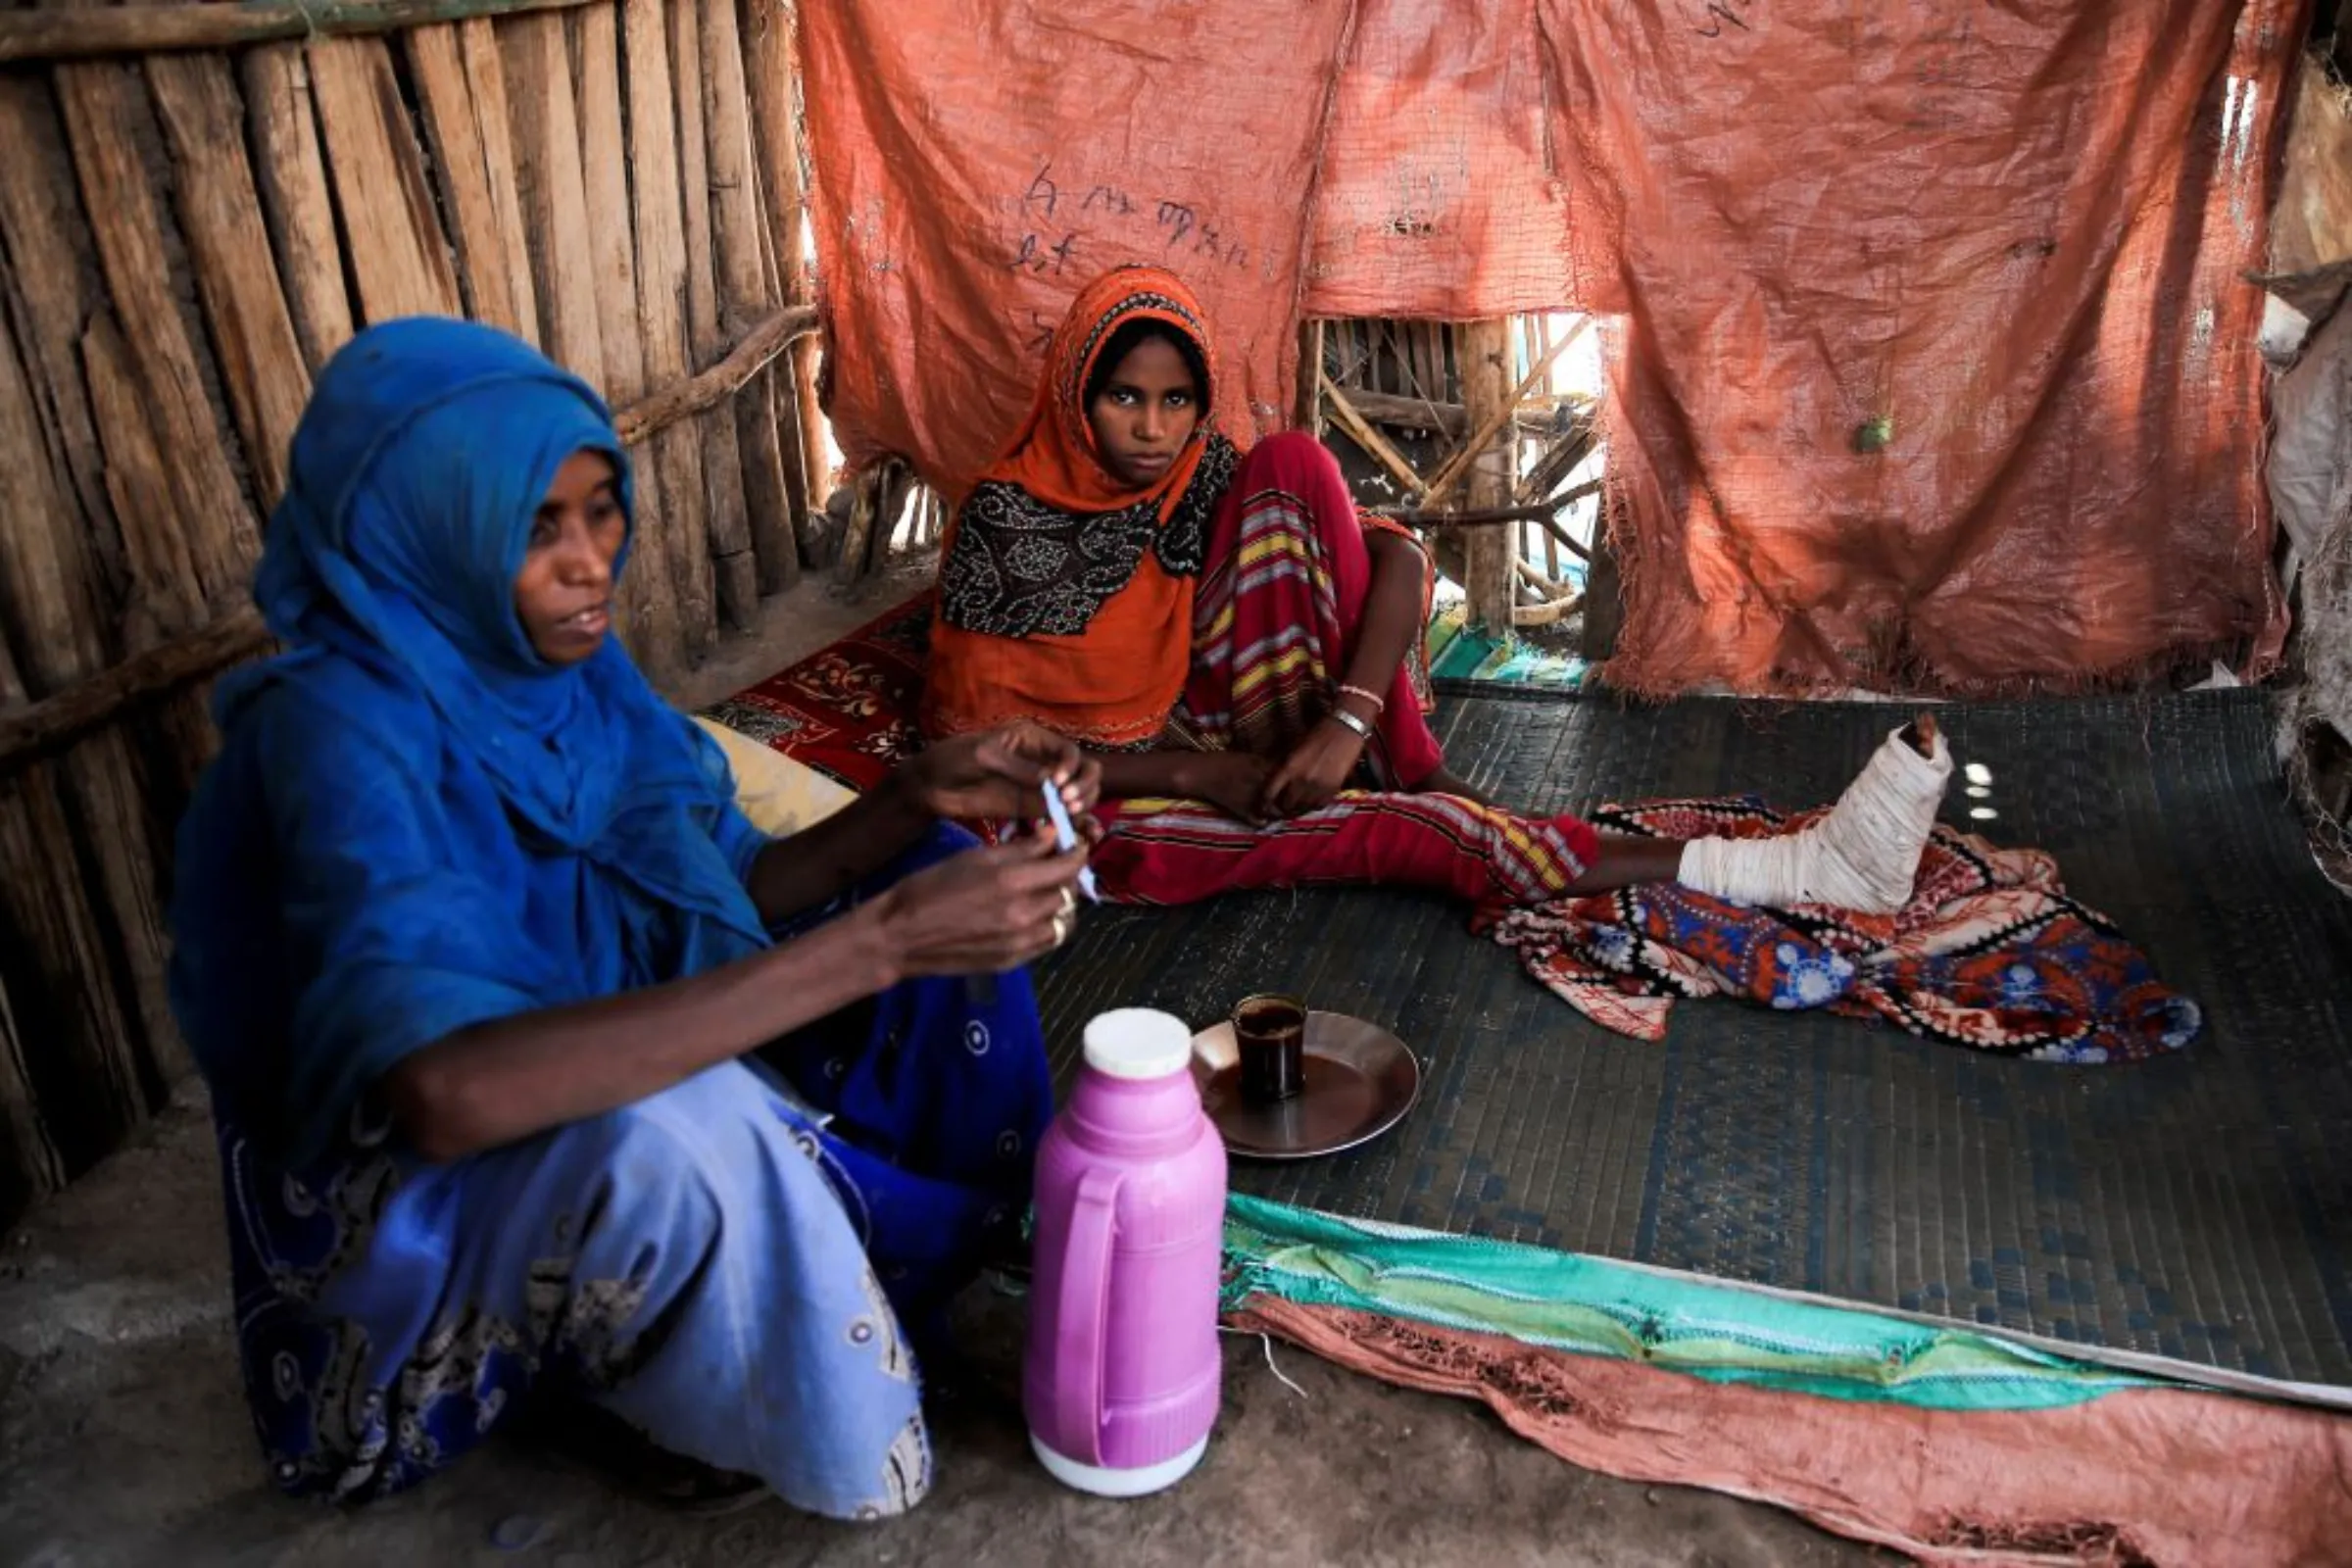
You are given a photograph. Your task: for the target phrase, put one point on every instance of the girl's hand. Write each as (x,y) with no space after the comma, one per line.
(1233,782)
(1316,770)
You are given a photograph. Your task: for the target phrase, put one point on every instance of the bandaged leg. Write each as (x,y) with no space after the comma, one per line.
(1862,856)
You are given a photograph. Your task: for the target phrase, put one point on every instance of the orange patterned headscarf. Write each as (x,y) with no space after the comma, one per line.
(1065,596)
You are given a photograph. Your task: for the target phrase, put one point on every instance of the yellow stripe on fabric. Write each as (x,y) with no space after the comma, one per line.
(1284,664)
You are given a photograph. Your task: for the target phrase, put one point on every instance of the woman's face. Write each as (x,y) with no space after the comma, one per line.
(1145,413)
(564,593)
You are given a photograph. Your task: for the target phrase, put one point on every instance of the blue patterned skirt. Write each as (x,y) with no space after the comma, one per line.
(730,1265)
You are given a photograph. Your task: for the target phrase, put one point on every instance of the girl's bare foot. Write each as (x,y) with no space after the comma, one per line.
(1921,733)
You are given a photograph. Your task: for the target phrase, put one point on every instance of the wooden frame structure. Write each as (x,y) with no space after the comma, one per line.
(1495,448)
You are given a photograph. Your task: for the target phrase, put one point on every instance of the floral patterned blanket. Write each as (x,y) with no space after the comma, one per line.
(1992,953)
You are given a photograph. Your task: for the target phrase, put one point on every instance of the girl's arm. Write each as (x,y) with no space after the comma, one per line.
(1318,767)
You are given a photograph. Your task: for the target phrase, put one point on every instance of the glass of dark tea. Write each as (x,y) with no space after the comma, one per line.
(1269,1033)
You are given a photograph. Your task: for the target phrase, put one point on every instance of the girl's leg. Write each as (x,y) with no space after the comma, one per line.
(1181,852)
(1862,855)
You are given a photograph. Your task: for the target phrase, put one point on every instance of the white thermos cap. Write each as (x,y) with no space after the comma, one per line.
(1137,1043)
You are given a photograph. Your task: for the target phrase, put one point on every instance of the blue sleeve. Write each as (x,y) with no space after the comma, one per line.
(738,840)
(390,939)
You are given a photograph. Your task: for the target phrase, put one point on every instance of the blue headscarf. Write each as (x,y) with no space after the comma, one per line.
(415,822)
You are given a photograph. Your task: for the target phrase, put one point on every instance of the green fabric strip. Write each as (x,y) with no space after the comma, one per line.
(1458,652)
(1592,1306)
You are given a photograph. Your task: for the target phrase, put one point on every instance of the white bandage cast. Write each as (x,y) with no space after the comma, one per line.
(1862,856)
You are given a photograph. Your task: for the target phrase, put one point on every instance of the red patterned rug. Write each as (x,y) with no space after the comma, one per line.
(846,709)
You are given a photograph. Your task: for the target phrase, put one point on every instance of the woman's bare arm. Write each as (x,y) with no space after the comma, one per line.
(822,861)
(983,910)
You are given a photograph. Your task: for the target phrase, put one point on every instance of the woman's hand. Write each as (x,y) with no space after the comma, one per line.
(983,910)
(1233,782)
(1316,770)
(996,774)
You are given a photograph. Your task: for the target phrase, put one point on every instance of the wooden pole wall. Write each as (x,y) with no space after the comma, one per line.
(200,205)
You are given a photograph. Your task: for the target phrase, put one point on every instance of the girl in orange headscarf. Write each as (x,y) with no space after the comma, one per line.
(1101,578)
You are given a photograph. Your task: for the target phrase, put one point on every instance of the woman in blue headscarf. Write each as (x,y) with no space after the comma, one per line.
(475,950)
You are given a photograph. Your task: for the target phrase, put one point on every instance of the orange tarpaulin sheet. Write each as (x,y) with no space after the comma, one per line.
(1437,198)
(1929,361)
(1934,362)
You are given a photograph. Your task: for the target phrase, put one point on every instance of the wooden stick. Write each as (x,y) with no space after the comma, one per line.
(53,34)
(611,255)
(1487,394)
(106,107)
(462,87)
(1375,445)
(1429,351)
(1469,517)
(758,349)
(121,801)
(55,720)
(1449,418)
(92,1052)
(54,533)
(537,64)
(1452,469)
(262,366)
(163,598)
(291,171)
(47,586)
(774,90)
(1548,614)
(1557,462)
(743,295)
(735,570)
(1542,513)
(391,224)
(1525,571)
(1562,539)
(39,1164)
(648,597)
(677,450)
(1409,414)
(56,936)
(1307,415)
(856,540)
(779,387)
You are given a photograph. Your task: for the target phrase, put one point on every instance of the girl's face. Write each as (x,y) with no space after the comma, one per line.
(1145,413)
(564,593)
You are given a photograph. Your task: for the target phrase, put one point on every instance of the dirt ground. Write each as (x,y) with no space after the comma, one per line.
(124,1441)
(124,1438)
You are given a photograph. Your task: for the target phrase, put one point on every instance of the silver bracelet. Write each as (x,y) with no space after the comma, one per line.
(1352,723)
